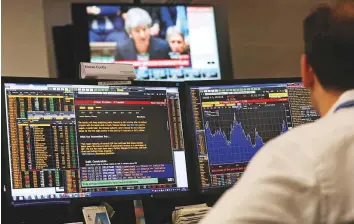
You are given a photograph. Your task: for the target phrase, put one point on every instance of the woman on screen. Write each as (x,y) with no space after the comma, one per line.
(141,44)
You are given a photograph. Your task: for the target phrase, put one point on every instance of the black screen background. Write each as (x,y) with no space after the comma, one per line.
(156,135)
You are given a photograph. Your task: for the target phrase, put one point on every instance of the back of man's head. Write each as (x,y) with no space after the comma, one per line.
(329,45)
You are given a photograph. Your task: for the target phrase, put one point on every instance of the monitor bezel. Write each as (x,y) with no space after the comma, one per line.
(82,44)
(6,181)
(191,127)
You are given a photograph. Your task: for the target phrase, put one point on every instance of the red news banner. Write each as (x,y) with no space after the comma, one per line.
(183,61)
(220,169)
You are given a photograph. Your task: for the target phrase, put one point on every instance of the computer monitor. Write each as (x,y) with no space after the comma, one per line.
(69,141)
(232,121)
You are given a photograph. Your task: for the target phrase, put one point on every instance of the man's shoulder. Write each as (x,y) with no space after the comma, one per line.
(331,126)
(307,146)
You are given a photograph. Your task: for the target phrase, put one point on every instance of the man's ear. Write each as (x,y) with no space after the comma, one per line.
(307,74)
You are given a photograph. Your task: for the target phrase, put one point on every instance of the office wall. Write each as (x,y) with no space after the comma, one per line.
(23,45)
(265,36)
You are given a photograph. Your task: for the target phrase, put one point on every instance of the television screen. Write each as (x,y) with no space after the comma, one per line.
(164,42)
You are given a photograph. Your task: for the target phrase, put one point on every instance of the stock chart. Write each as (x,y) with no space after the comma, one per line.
(232,123)
(235,135)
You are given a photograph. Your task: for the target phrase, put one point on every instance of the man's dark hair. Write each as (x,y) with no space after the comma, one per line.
(329,44)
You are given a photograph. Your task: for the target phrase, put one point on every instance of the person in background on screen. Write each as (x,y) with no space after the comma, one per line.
(154,12)
(99,26)
(156,20)
(108,25)
(174,16)
(176,40)
(307,174)
(141,44)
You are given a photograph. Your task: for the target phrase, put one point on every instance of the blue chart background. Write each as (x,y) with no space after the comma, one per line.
(235,135)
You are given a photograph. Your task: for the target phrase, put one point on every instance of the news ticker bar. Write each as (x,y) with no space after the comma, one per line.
(158,63)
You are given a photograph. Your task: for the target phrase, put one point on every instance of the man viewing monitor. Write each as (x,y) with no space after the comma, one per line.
(231,122)
(74,141)
(163,42)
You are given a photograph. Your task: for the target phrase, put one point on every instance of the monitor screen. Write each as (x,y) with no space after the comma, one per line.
(232,122)
(166,42)
(74,141)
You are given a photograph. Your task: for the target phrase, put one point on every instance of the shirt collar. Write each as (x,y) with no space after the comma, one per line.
(346,96)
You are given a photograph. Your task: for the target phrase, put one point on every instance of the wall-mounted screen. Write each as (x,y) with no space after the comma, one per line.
(163,42)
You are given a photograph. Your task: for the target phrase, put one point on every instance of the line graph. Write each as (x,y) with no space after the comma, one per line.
(234,135)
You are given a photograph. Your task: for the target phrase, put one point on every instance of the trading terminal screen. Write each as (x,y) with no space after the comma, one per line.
(71,141)
(232,122)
